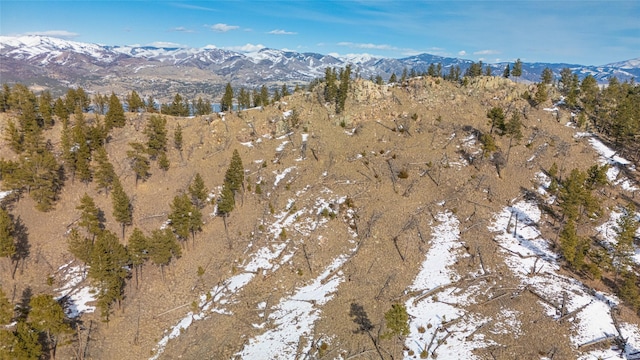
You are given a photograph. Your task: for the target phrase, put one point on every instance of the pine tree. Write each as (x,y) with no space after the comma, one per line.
(285,90)
(7,235)
(134,102)
(60,110)
(14,137)
(6,311)
(393,78)
(100,101)
(397,321)
(90,217)
(151,105)
(234,176)
(122,210)
(108,271)
(627,226)
(547,76)
(24,343)
(47,316)
(138,249)
(163,247)
(185,218)
(225,203)
(156,132)
(343,89)
(41,175)
(81,150)
(331,89)
(541,94)
(105,174)
(226,104)
(115,115)
(572,246)
(264,96)
(45,107)
(139,162)
(496,119)
(163,161)
(507,72)
(79,246)
(198,191)
(517,69)
(177,138)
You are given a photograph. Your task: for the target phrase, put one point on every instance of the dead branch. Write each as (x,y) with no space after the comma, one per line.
(547,301)
(572,313)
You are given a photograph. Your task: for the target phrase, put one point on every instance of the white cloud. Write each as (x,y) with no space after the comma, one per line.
(181,29)
(223,27)
(246,48)
(462,53)
(367,46)
(486,52)
(54,33)
(167,44)
(281,32)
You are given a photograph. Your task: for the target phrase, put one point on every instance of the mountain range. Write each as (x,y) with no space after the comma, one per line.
(47,62)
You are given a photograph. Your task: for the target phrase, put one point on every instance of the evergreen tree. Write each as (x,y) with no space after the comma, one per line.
(487,71)
(139,162)
(331,89)
(517,69)
(627,226)
(100,101)
(151,105)
(122,210)
(42,178)
(257,99)
(431,71)
(80,149)
(134,102)
(79,246)
(60,110)
(7,236)
(198,191)
(541,94)
(226,203)
(5,94)
(496,119)
(138,249)
(546,76)
(163,247)
(163,161)
(90,216)
(115,115)
(105,174)
(343,89)
(14,137)
(156,132)
(507,72)
(566,79)
(47,316)
(393,78)
(45,107)
(572,246)
(6,311)
(589,94)
(397,320)
(226,104)
(264,95)
(177,138)
(628,290)
(23,343)
(108,271)
(285,90)
(185,218)
(234,176)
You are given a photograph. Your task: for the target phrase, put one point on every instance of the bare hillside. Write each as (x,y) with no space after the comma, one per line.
(392,202)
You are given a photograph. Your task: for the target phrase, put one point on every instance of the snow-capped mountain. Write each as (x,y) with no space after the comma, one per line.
(51,62)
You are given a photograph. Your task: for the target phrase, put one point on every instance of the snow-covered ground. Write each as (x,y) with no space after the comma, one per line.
(439,324)
(268,259)
(76,293)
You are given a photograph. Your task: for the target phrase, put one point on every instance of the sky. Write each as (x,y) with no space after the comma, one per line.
(568,31)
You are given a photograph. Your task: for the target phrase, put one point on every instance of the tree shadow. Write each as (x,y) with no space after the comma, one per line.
(23,248)
(361,319)
(22,307)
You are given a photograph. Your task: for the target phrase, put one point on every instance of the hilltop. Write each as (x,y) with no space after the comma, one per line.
(397,200)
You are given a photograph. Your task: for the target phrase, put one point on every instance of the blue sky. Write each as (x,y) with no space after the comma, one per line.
(569,31)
